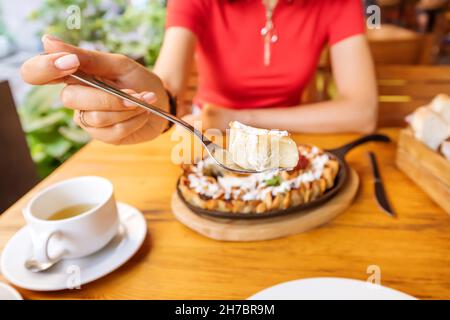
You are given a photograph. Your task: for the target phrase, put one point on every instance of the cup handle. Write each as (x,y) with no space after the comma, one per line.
(41,247)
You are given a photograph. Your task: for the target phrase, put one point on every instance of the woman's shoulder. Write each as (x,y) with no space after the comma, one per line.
(191,14)
(191,7)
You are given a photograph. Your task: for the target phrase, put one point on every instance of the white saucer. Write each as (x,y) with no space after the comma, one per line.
(73,272)
(8,293)
(329,289)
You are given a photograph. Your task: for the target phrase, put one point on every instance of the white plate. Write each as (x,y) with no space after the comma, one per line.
(329,289)
(8,292)
(74,272)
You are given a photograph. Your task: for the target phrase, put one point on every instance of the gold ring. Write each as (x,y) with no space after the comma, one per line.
(81,117)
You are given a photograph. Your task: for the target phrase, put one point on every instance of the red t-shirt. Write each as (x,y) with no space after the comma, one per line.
(230,50)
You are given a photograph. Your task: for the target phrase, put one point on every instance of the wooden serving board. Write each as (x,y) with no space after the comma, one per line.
(427,168)
(270,228)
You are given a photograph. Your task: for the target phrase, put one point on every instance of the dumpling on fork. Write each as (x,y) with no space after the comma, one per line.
(261,149)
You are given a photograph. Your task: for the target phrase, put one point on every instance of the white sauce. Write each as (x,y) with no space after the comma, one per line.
(253,187)
(202,186)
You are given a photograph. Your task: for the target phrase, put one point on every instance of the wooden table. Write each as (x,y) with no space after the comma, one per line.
(412,251)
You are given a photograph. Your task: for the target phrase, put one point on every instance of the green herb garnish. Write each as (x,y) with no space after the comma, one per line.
(274,181)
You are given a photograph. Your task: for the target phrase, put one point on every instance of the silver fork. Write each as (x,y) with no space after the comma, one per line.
(221,156)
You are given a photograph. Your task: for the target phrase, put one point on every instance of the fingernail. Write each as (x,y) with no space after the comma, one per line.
(67,62)
(50,37)
(130,104)
(149,97)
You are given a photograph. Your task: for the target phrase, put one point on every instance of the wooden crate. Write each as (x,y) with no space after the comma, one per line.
(427,168)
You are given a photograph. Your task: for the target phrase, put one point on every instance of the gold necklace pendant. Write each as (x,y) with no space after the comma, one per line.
(269,35)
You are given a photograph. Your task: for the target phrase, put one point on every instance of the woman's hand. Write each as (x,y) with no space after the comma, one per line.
(105,117)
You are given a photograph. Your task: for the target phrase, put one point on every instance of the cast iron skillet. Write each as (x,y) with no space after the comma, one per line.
(341,179)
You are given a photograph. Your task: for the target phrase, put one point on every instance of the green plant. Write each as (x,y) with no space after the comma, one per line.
(138,32)
(108,25)
(51,134)
(54,15)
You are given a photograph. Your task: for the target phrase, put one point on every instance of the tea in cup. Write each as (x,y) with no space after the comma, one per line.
(72,219)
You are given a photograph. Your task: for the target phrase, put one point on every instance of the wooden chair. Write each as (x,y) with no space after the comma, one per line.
(396,45)
(402,89)
(316,90)
(16,166)
(390,45)
(391,10)
(191,88)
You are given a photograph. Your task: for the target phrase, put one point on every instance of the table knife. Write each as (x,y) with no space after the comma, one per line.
(380,193)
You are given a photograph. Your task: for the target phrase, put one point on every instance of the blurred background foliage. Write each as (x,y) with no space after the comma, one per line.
(134,28)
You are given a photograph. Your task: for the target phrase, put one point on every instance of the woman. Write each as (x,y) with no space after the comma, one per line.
(254,58)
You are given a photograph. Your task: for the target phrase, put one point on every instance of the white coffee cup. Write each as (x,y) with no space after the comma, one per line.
(77,236)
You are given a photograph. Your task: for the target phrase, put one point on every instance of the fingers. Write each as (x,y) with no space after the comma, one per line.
(101,64)
(81,97)
(143,134)
(101,119)
(44,69)
(151,129)
(63,59)
(116,133)
(105,117)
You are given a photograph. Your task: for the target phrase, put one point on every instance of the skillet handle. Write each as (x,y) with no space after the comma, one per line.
(342,151)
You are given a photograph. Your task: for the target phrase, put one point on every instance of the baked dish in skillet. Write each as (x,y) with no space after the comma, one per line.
(206,186)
